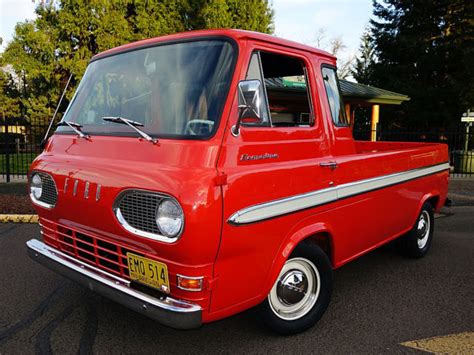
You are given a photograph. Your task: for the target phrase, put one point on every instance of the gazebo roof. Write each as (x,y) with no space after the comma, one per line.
(366,93)
(350,91)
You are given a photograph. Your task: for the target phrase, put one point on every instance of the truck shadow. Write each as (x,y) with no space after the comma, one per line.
(374,279)
(369,299)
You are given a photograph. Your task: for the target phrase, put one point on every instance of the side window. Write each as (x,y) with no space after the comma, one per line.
(286,88)
(334,98)
(254,72)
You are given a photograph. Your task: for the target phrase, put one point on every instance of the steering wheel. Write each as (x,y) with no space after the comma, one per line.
(193,127)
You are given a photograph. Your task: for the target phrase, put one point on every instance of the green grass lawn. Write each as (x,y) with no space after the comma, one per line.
(19,163)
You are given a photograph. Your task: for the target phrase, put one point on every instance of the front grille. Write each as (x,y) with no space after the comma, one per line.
(138,209)
(92,249)
(49,195)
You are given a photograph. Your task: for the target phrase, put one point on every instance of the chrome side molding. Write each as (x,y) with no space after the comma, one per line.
(300,202)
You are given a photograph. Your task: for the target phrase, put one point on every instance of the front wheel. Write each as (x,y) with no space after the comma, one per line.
(417,241)
(301,293)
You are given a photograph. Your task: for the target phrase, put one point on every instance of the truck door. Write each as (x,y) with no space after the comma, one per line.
(267,162)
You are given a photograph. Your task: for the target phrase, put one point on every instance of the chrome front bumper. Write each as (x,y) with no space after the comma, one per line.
(168,311)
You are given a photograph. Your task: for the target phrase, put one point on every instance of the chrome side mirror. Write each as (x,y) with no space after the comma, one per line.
(250,104)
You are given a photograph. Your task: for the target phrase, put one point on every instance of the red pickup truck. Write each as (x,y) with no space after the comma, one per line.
(196,175)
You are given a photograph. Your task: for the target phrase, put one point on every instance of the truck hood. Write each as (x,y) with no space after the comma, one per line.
(89,176)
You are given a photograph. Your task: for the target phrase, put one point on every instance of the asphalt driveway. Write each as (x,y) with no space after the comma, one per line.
(380,301)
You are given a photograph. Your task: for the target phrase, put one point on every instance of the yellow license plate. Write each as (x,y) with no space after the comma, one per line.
(148,272)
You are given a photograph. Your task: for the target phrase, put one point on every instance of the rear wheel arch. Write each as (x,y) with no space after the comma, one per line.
(416,242)
(434,201)
(433,198)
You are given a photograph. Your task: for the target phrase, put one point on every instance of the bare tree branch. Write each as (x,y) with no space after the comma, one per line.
(320,37)
(336,46)
(344,67)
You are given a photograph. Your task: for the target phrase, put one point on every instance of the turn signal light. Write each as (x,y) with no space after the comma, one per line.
(190,283)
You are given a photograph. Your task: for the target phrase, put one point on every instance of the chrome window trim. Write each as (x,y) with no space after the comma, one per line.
(316,198)
(144,234)
(33,199)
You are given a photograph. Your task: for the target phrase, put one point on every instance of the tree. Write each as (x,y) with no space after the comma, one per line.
(343,64)
(67,33)
(457,42)
(335,46)
(9,100)
(362,69)
(424,49)
(254,15)
(28,58)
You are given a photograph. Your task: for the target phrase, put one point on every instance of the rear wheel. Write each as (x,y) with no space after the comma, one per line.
(417,241)
(301,293)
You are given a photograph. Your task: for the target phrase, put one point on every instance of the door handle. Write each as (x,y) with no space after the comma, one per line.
(329,164)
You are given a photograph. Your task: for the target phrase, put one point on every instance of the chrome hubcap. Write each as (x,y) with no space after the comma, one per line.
(296,290)
(292,287)
(423,229)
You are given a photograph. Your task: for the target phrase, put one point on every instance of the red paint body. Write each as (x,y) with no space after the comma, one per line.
(207,177)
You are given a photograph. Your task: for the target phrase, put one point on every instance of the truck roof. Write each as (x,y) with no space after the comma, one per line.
(231,33)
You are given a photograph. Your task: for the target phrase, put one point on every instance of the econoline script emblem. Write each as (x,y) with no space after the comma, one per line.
(248,157)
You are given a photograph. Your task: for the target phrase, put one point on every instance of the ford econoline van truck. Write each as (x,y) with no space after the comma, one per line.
(197,175)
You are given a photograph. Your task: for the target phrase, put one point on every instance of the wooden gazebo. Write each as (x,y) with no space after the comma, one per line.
(355,94)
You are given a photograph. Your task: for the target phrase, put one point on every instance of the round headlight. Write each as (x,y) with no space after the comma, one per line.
(169,218)
(36,186)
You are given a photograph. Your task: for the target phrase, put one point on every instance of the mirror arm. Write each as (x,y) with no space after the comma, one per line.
(235,130)
(247,87)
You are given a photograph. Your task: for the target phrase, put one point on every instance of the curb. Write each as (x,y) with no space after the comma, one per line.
(454,196)
(18,218)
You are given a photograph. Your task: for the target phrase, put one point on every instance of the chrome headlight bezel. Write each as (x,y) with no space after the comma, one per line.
(37,189)
(36,186)
(134,227)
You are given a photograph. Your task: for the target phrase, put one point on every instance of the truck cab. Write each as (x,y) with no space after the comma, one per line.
(196,175)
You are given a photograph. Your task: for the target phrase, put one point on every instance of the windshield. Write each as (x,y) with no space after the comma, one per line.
(174,90)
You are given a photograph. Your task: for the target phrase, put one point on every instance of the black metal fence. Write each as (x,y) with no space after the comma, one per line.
(460,141)
(21,143)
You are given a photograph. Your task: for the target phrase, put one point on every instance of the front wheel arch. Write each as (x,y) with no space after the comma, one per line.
(288,311)
(319,234)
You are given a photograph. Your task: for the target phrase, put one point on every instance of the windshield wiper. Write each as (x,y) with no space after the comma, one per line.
(76,127)
(132,124)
